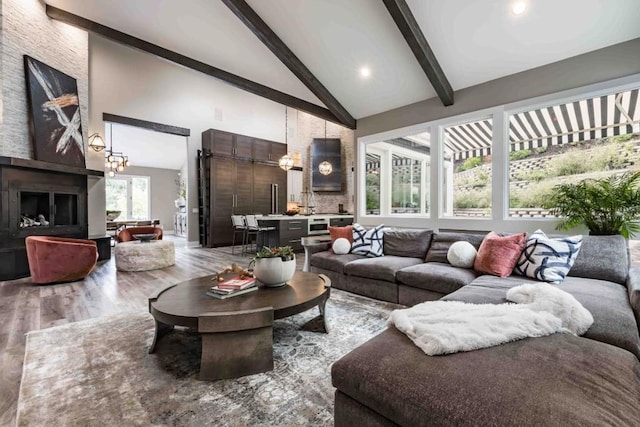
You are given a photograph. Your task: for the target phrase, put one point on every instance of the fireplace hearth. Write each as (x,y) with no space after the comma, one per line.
(38,198)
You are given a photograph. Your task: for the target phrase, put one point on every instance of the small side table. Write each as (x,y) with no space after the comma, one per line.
(103,243)
(312,245)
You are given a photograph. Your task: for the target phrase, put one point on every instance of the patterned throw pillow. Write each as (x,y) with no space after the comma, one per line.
(367,242)
(548,260)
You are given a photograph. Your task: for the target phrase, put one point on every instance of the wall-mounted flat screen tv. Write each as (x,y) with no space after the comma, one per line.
(326,150)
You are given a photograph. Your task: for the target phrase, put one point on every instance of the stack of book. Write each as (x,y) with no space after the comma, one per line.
(232,287)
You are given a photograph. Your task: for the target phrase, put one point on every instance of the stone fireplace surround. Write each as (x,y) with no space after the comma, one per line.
(29,188)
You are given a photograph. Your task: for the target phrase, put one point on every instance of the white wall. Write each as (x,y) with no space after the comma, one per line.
(131,83)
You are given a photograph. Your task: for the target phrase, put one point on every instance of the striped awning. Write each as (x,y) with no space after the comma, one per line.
(587,119)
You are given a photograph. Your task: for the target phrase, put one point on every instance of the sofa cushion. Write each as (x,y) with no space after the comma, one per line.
(409,243)
(345,232)
(546,259)
(367,242)
(556,380)
(383,268)
(613,320)
(436,277)
(498,255)
(440,243)
(602,257)
(333,262)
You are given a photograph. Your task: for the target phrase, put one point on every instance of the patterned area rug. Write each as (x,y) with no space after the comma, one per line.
(98,372)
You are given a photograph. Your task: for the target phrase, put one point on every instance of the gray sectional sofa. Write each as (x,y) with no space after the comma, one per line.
(555,380)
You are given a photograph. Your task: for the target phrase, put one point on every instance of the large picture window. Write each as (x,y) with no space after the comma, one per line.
(130,195)
(566,143)
(466,169)
(397,176)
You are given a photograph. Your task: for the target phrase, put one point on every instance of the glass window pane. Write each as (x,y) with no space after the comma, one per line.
(467,169)
(116,196)
(372,186)
(140,198)
(567,143)
(405,185)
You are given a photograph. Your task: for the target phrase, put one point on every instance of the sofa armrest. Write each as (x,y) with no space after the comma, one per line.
(633,286)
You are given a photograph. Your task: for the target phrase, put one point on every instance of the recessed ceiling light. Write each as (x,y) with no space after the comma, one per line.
(519,8)
(365,72)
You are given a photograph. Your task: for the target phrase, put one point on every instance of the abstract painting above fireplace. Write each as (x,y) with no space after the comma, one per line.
(54,119)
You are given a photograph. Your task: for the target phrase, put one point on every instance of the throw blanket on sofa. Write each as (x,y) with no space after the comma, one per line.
(443,327)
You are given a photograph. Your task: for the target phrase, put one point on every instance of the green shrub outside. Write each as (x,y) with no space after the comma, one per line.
(519,155)
(470,163)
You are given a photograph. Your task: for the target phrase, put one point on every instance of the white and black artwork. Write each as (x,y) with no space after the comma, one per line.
(54,119)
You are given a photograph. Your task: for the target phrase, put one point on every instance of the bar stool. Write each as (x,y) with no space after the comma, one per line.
(253,228)
(238,227)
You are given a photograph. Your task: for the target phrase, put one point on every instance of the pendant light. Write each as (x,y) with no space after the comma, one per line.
(325,167)
(286,162)
(114,161)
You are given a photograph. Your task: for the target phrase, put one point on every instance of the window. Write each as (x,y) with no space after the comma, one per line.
(466,169)
(397,176)
(569,142)
(130,195)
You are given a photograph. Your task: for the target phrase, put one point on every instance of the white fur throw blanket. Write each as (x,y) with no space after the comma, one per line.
(443,327)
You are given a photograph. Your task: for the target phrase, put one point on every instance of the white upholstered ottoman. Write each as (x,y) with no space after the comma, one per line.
(142,256)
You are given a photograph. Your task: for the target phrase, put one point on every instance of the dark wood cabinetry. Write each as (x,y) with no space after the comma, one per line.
(238,183)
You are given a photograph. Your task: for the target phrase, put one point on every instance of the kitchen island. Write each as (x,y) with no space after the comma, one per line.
(289,230)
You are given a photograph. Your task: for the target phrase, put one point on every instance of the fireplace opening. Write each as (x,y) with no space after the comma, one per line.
(65,209)
(34,209)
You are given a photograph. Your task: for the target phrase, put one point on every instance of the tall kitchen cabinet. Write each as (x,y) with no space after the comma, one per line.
(240,184)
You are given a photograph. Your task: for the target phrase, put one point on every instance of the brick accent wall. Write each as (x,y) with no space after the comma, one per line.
(309,127)
(25,29)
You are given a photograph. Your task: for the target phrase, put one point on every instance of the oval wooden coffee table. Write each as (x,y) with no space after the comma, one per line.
(237,333)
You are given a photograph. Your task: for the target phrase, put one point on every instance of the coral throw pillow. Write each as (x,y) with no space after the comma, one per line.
(340,233)
(498,255)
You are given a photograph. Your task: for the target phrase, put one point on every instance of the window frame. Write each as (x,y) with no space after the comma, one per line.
(129,180)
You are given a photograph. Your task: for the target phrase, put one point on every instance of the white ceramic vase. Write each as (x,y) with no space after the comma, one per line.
(274,272)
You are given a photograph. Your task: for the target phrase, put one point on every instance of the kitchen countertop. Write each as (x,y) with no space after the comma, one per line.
(290,217)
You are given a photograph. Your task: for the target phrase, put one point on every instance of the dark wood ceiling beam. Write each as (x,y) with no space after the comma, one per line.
(416,40)
(185,61)
(266,35)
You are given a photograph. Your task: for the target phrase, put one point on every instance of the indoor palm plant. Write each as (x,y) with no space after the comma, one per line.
(275,265)
(605,206)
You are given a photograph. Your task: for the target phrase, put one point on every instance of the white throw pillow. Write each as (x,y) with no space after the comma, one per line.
(461,254)
(367,242)
(341,246)
(548,260)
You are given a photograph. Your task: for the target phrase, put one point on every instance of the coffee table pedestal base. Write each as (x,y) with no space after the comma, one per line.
(236,344)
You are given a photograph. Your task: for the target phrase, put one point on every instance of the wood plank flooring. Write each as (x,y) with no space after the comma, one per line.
(25,306)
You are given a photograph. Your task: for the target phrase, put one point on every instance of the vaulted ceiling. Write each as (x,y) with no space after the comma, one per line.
(474,41)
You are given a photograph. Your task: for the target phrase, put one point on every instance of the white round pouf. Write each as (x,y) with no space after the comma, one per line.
(139,256)
(461,254)
(341,246)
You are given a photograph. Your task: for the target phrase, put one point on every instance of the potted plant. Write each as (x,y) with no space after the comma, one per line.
(274,266)
(606,206)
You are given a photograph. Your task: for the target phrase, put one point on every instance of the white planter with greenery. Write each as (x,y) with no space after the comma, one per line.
(273,267)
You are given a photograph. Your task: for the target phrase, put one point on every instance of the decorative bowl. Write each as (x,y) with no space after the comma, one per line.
(145,238)
(112,215)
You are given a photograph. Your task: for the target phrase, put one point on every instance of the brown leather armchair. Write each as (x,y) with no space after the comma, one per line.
(126,235)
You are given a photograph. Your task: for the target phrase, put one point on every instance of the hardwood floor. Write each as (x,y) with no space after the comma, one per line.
(25,306)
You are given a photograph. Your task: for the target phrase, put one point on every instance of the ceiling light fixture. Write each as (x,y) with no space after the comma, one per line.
(365,72)
(114,161)
(286,162)
(96,142)
(325,167)
(519,8)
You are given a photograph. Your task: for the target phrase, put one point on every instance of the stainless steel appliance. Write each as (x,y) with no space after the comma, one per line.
(275,209)
(318,226)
